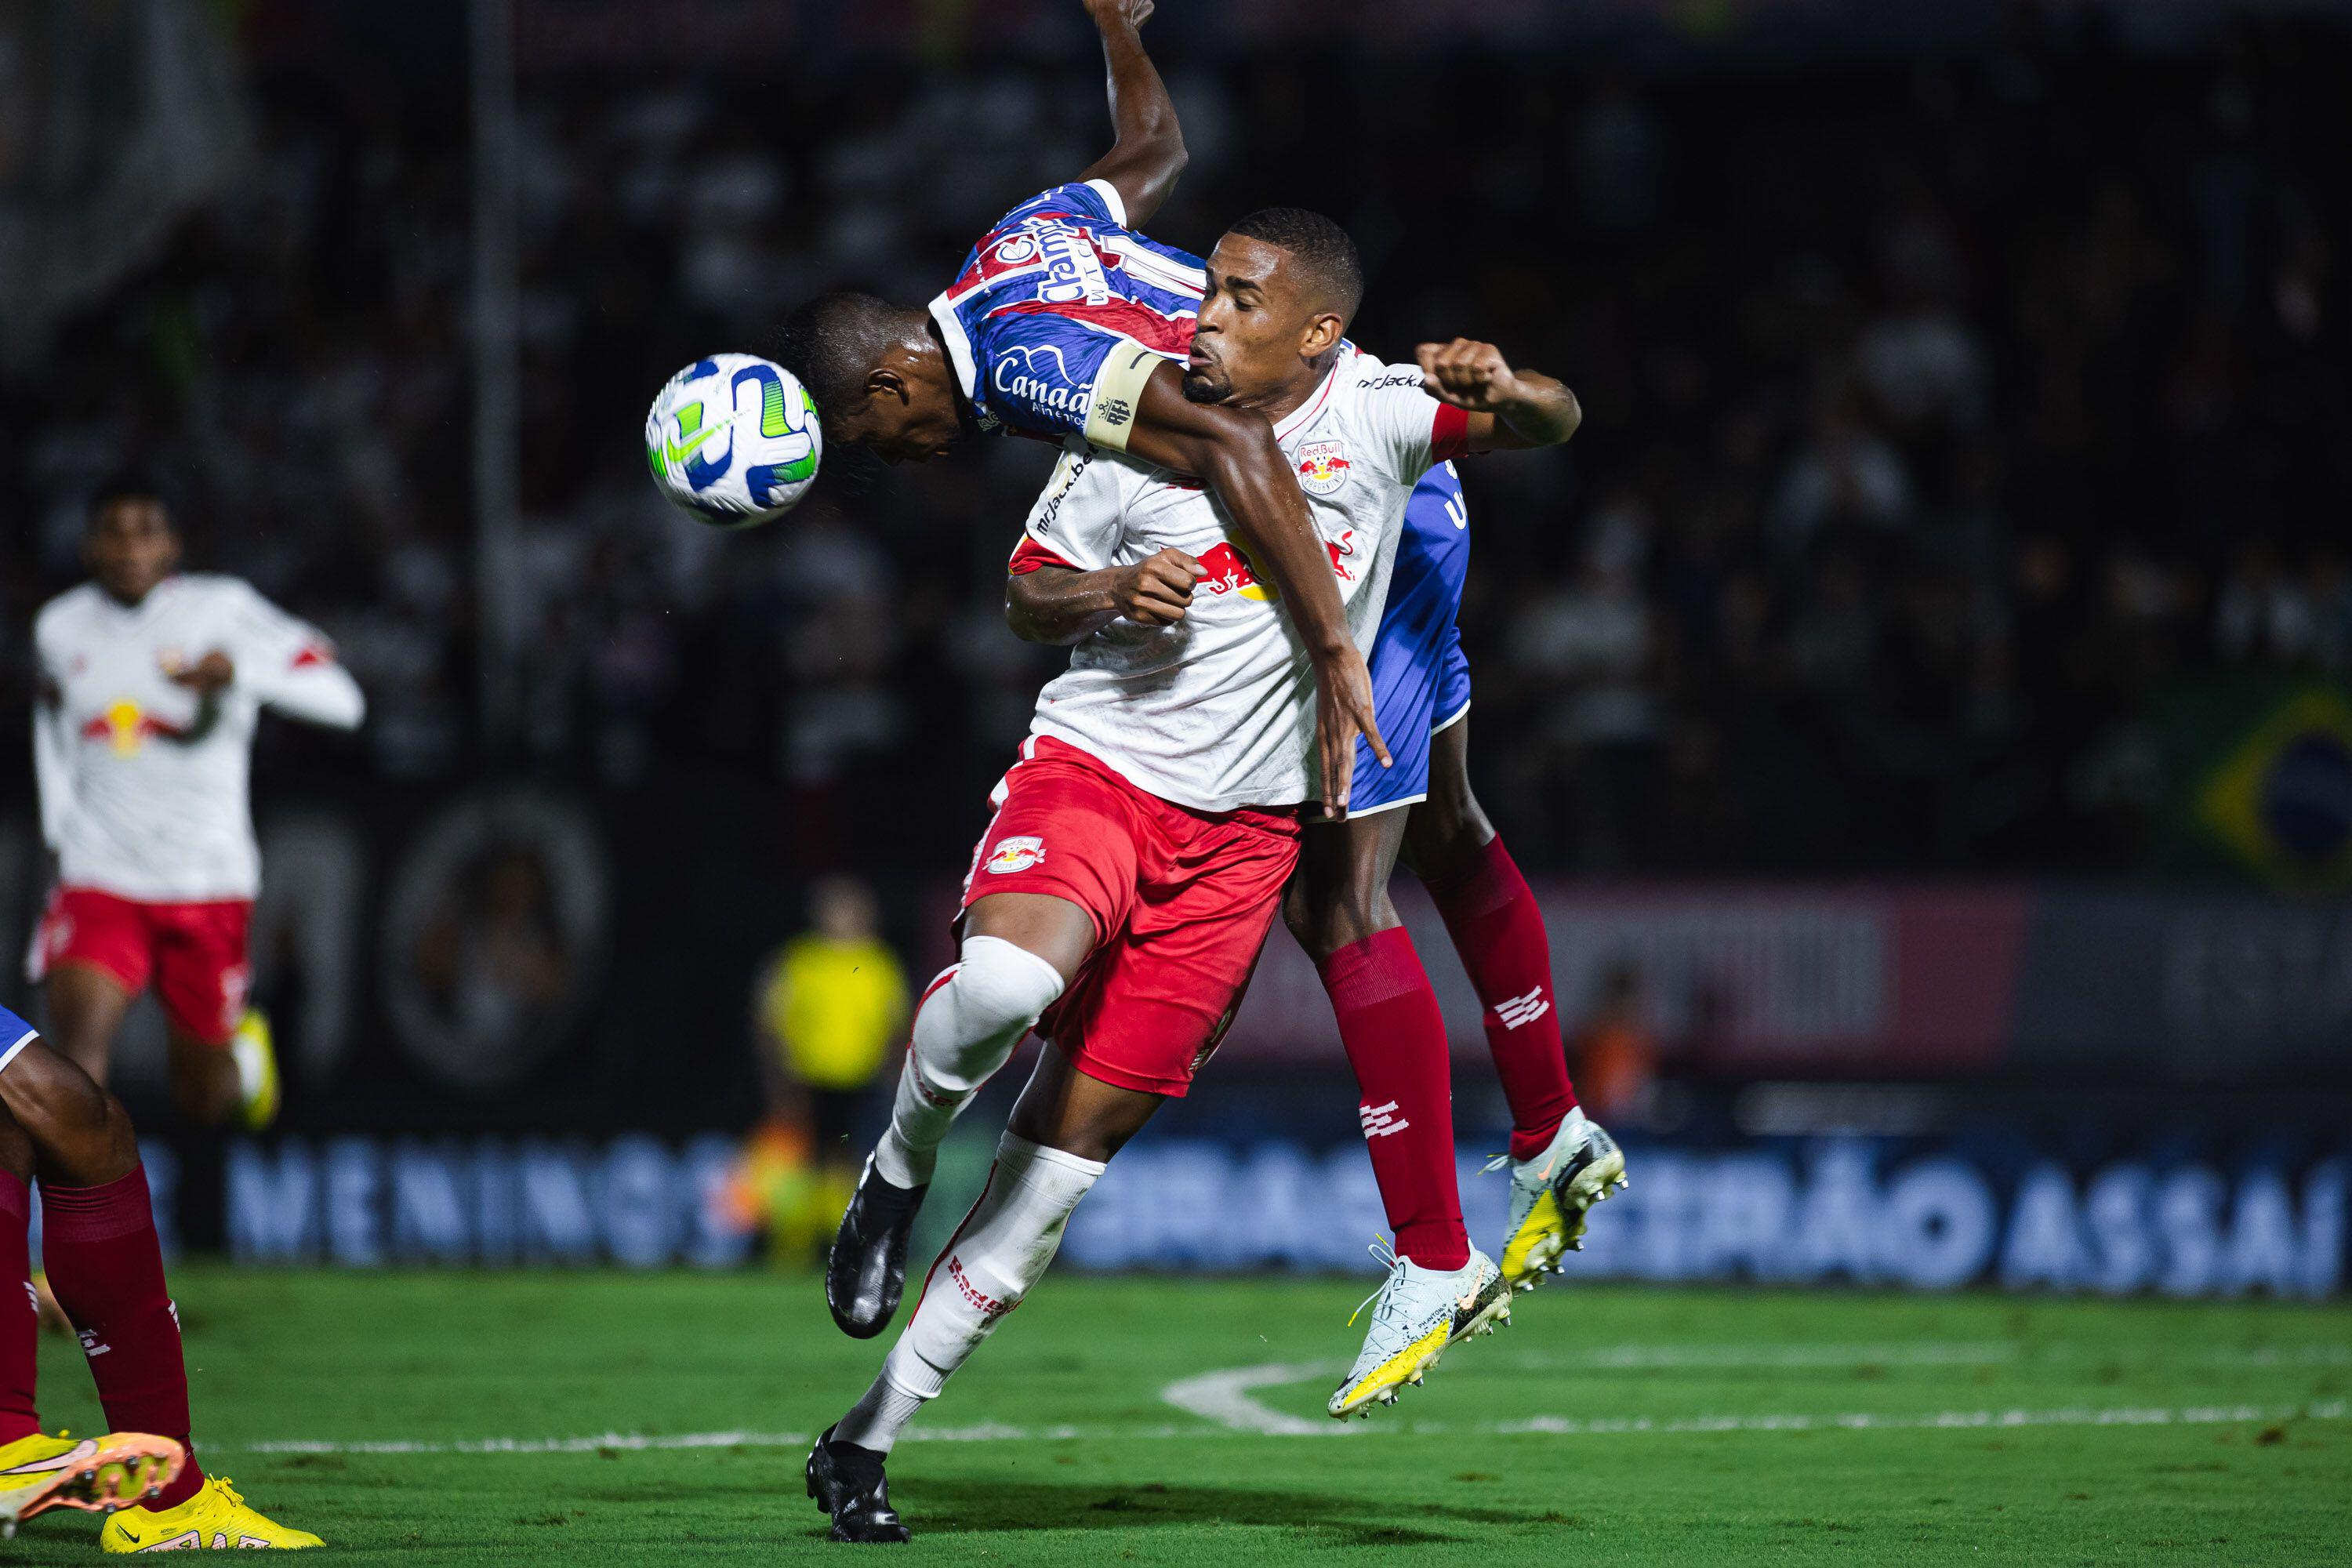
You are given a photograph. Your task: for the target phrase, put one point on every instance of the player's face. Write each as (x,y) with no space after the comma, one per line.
(1259,329)
(131,546)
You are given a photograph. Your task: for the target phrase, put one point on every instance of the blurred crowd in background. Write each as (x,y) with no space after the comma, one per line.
(1944,418)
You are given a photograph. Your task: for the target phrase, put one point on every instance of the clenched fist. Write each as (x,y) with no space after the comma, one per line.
(1469,374)
(1157,591)
(1111,13)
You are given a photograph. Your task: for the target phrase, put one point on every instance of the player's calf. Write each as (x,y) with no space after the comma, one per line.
(968,1024)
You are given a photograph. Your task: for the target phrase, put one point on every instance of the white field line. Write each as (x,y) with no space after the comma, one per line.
(1228,1396)
(1533,1425)
(1225,1400)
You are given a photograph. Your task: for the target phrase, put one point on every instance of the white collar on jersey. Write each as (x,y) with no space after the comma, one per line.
(1314,404)
(162,593)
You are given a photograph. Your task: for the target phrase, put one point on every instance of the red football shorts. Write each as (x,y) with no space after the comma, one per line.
(195,954)
(1181,901)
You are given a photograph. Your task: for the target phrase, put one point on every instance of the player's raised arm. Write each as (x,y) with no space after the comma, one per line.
(1509,409)
(1233,452)
(1143,163)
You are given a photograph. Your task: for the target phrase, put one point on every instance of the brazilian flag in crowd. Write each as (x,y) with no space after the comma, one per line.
(2263,778)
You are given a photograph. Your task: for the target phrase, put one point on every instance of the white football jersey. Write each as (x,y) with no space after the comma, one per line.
(1218,711)
(141,796)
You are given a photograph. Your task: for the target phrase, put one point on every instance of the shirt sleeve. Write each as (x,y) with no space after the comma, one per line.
(1078,520)
(289,665)
(1097,201)
(1410,429)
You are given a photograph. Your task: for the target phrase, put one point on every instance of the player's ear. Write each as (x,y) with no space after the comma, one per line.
(1323,332)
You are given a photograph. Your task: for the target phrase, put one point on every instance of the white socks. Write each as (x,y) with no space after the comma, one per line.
(964,1030)
(996,1255)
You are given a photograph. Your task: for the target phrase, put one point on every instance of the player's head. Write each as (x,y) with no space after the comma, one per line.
(129,542)
(1283,284)
(878,375)
(844,909)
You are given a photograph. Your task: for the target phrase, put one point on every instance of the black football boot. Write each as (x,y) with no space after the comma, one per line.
(848,1483)
(868,1268)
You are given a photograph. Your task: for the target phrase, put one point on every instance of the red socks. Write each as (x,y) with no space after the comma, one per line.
(107,1267)
(1499,929)
(20,1320)
(1395,1037)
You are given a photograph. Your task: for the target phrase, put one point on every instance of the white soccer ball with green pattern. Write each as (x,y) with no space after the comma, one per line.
(733,440)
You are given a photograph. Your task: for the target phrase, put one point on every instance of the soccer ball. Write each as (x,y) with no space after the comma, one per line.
(733,440)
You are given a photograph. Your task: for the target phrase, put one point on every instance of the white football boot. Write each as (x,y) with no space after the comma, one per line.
(1551,1194)
(1416,1313)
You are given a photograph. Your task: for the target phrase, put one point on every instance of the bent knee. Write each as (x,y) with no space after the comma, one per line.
(1324,919)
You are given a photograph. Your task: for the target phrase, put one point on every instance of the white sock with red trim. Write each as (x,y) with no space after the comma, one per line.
(996,1255)
(969,1022)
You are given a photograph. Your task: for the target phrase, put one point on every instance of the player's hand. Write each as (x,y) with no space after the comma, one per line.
(1158,590)
(207,677)
(1112,12)
(1469,374)
(1343,709)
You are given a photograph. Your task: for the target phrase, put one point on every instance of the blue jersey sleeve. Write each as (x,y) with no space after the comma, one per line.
(15,1035)
(1097,201)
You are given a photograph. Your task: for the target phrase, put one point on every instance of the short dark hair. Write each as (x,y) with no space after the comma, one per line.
(1321,246)
(832,341)
(122,485)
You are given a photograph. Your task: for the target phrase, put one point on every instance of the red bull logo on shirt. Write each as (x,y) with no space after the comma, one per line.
(126,727)
(1322,466)
(1227,569)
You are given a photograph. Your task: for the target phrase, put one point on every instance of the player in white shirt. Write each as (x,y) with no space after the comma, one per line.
(151,683)
(1120,899)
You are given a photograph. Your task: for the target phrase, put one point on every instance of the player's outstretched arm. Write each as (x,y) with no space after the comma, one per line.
(1508,409)
(1060,604)
(1144,161)
(1233,452)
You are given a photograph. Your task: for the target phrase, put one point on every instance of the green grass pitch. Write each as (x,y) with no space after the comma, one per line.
(663,1419)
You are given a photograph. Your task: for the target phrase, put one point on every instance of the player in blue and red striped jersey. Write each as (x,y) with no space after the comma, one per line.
(1064,321)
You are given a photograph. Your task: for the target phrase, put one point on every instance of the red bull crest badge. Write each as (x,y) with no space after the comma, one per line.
(1015,854)
(1322,466)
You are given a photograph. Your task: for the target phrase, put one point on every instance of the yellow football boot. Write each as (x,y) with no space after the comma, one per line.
(255,1055)
(215,1520)
(39,1472)
(1550,1195)
(1416,1313)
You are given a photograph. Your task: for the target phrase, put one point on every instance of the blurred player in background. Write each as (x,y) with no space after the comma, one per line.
(106,1263)
(831,1003)
(151,684)
(1338,908)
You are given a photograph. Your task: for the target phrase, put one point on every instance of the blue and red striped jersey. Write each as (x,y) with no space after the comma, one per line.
(1056,284)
